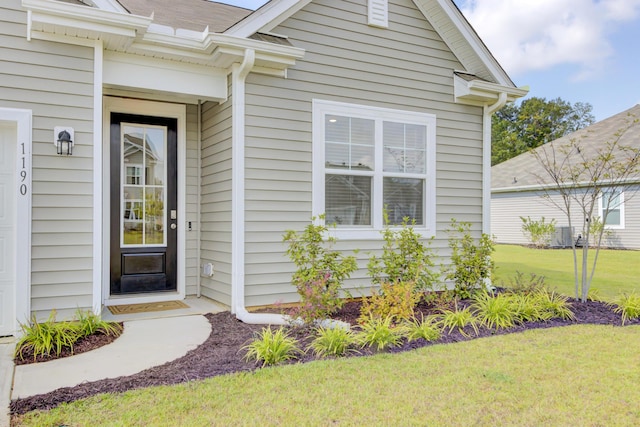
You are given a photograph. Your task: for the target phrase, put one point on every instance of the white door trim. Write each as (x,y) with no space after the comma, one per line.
(146,108)
(23,120)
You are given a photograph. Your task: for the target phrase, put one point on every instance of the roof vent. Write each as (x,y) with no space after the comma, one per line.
(379,13)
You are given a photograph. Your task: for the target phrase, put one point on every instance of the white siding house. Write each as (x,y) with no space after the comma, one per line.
(516,189)
(236,115)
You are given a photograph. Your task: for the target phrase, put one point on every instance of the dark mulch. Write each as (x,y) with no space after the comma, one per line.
(84,344)
(221,353)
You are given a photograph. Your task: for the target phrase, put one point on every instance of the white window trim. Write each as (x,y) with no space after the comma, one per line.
(621,208)
(322,108)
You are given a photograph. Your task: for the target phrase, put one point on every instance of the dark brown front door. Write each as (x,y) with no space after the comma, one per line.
(143,204)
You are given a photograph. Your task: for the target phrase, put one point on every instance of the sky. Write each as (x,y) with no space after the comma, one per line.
(577,50)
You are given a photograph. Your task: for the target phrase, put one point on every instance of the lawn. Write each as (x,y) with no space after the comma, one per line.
(567,376)
(617,271)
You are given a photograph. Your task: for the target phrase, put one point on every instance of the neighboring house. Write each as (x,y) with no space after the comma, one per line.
(201,132)
(516,190)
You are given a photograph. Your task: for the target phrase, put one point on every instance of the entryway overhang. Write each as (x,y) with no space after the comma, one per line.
(153,59)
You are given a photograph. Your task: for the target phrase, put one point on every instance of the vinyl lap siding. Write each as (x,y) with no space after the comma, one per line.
(215,212)
(507,208)
(406,67)
(55,81)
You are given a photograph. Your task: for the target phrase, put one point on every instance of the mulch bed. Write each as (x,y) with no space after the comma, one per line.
(221,353)
(83,345)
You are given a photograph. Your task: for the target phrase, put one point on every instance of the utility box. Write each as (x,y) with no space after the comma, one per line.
(562,238)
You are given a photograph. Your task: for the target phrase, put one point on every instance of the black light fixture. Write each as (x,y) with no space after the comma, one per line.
(64,140)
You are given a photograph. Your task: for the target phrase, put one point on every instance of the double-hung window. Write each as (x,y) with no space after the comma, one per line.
(368,161)
(611,205)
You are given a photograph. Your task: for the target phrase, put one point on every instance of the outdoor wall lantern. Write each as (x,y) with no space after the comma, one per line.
(63,140)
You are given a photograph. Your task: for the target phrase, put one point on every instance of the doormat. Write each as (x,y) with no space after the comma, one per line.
(146,307)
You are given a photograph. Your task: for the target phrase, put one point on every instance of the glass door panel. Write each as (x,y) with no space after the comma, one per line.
(144,177)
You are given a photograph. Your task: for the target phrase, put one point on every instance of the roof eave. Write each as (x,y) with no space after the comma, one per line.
(139,35)
(480,92)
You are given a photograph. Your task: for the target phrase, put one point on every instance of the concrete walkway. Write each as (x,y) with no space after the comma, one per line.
(144,344)
(6,377)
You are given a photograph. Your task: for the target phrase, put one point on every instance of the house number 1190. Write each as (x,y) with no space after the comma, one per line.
(23,173)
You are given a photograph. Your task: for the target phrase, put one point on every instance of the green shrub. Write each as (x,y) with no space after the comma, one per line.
(405,258)
(494,311)
(320,271)
(471,265)
(379,333)
(523,284)
(395,300)
(628,306)
(333,342)
(458,318)
(43,338)
(426,328)
(271,347)
(89,323)
(539,233)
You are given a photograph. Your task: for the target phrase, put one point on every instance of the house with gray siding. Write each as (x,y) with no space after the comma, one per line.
(517,189)
(152,151)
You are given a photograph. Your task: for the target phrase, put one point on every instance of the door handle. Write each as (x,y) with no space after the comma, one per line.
(173,226)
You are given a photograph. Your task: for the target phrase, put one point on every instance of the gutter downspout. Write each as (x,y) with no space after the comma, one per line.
(486,160)
(239,74)
(199,204)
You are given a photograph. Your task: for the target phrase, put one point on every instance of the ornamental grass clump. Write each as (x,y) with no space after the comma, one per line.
(426,328)
(555,304)
(90,323)
(528,307)
(333,342)
(628,306)
(380,334)
(320,271)
(49,338)
(494,311)
(271,347)
(458,318)
(45,338)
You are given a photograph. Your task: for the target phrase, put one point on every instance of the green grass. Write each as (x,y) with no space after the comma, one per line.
(575,375)
(617,271)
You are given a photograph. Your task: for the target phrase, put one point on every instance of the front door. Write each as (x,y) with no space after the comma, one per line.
(143,204)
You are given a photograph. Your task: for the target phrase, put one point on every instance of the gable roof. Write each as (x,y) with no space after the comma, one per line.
(195,15)
(443,15)
(519,173)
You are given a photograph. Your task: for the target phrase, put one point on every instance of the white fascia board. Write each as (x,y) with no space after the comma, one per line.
(201,82)
(469,34)
(82,17)
(582,184)
(110,5)
(479,92)
(224,40)
(267,17)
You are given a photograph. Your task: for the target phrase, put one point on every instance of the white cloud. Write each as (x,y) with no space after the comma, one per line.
(527,35)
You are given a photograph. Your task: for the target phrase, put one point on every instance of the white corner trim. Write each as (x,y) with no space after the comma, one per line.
(97,178)
(23,120)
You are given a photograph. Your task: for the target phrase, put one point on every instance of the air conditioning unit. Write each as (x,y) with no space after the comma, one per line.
(562,238)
